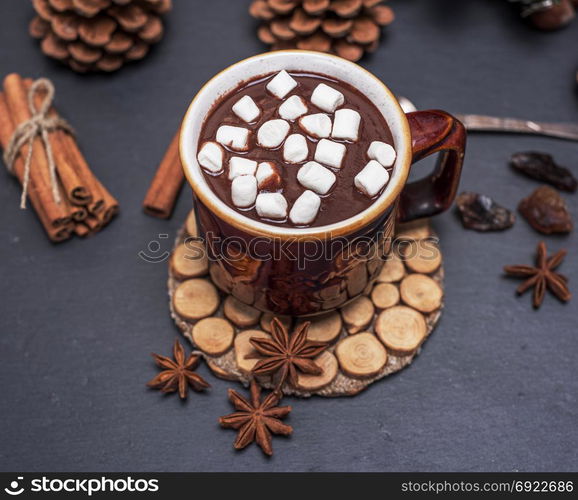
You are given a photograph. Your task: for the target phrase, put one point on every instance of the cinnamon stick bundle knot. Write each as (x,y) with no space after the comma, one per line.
(40,124)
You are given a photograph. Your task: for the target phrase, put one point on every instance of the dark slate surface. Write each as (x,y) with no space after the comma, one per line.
(496,386)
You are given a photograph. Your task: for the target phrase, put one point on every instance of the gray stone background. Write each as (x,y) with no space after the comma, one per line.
(495,387)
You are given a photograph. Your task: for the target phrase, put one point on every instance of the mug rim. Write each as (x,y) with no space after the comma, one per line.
(256,228)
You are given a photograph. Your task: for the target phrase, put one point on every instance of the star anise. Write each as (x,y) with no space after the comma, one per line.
(178,374)
(256,420)
(284,355)
(542,276)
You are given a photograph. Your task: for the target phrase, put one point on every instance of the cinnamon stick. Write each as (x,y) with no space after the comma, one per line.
(93,223)
(72,183)
(55,232)
(17,101)
(68,144)
(103,203)
(100,202)
(166,185)
(77,212)
(81,230)
(110,204)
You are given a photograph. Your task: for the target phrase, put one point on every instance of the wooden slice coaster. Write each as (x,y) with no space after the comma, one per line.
(328,363)
(358,314)
(325,328)
(415,230)
(385,295)
(245,353)
(213,336)
(393,270)
(421,292)
(196,299)
(422,256)
(266,319)
(377,334)
(401,329)
(361,355)
(189,260)
(240,314)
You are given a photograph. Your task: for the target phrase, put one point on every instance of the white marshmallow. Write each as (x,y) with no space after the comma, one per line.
(317,125)
(293,108)
(316,177)
(371,179)
(305,208)
(271,205)
(382,152)
(281,84)
(241,166)
(327,98)
(268,176)
(295,149)
(272,133)
(330,153)
(346,124)
(210,157)
(246,109)
(236,138)
(244,191)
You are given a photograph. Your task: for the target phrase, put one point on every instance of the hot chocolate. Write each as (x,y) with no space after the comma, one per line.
(296,150)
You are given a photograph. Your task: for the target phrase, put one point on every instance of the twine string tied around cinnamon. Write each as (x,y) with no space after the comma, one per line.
(40,124)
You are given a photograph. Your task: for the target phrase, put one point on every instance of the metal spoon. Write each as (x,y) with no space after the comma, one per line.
(481,123)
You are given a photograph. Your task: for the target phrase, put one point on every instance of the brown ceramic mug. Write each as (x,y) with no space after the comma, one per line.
(306,271)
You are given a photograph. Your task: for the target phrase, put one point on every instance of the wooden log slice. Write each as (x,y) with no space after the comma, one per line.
(213,336)
(328,363)
(415,230)
(393,269)
(421,292)
(266,319)
(246,355)
(401,329)
(385,295)
(422,256)
(325,328)
(361,355)
(189,260)
(239,313)
(195,299)
(358,314)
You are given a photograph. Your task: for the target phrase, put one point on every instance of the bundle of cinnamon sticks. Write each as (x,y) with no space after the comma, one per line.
(73,201)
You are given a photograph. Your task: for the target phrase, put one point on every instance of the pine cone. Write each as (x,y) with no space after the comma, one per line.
(347,28)
(98,35)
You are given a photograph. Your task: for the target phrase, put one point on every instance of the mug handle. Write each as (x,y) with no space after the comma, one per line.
(433,131)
